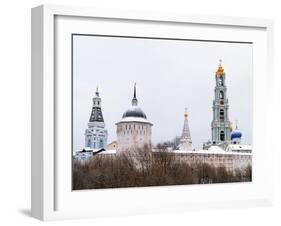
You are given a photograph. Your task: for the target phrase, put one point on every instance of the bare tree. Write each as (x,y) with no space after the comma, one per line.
(142,167)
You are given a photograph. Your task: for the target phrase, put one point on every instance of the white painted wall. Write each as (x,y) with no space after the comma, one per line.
(133,135)
(15,110)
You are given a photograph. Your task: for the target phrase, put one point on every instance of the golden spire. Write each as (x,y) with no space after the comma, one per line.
(185,113)
(220,70)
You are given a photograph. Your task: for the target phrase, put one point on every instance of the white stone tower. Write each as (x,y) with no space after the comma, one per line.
(185,140)
(96,134)
(133,130)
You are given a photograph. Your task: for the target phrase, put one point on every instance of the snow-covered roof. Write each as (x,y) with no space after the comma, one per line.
(112,151)
(134,111)
(98,151)
(88,149)
(134,119)
(212,150)
(215,149)
(240,147)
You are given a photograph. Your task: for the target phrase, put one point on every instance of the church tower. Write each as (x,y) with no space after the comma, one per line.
(185,140)
(133,130)
(96,134)
(221,126)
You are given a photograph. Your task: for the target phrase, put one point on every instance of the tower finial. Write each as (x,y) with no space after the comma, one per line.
(135,94)
(185,113)
(220,70)
(97,91)
(135,100)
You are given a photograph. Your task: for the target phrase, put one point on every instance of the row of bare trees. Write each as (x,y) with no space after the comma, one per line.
(142,167)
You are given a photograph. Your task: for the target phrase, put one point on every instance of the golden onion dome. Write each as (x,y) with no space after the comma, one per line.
(220,71)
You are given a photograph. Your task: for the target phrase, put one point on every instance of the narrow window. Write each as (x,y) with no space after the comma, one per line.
(221,115)
(221,95)
(221,81)
(222,136)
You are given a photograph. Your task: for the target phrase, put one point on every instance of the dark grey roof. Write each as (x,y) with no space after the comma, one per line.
(134,111)
(96,115)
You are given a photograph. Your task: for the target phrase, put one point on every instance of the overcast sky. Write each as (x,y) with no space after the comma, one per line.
(170,76)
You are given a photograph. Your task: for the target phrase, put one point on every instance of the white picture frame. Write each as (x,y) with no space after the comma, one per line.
(52,197)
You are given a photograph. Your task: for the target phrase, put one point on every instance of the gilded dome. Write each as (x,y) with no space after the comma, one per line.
(220,71)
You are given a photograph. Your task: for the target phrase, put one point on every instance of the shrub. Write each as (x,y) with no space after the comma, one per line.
(141,167)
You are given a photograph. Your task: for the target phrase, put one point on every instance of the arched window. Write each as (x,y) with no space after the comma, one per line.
(222,136)
(89,143)
(221,81)
(221,115)
(221,95)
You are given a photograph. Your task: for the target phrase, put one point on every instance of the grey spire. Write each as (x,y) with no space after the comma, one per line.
(97,92)
(135,100)
(185,140)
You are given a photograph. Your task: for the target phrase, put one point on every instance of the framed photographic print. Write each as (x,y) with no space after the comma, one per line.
(141,113)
